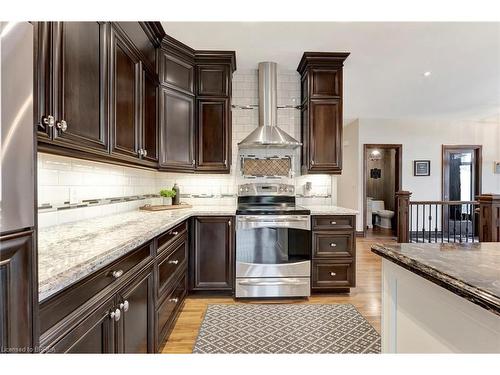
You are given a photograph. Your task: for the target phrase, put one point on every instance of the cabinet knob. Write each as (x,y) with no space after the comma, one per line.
(48,120)
(62,125)
(173,262)
(333,274)
(115,315)
(124,306)
(229,222)
(173,300)
(140,152)
(333,222)
(312,162)
(175,233)
(193,162)
(117,274)
(145,152)
(333,245)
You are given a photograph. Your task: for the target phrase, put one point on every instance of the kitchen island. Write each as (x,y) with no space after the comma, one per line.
(439,298)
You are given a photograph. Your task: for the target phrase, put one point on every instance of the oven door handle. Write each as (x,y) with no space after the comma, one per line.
(272,283)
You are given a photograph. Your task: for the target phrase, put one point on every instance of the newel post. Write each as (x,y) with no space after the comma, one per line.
(403,229)
(489,217)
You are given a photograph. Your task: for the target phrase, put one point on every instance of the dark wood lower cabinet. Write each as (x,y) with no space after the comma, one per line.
(333,253)
(94,335)
(16,292)
(139,309)
(135,329)
(212,260)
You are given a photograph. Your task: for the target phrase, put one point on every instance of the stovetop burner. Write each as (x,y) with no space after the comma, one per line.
(257,202)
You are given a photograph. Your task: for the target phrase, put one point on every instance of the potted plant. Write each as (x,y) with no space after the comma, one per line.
(167,195)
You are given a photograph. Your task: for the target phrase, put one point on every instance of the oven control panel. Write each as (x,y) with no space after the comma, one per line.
(266,189)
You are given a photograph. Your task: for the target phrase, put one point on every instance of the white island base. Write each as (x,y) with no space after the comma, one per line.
(419,316)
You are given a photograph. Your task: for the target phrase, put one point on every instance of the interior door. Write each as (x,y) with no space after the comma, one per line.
(80,76)
(461,182)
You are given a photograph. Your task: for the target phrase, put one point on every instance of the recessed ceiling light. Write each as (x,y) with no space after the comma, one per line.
(427,74)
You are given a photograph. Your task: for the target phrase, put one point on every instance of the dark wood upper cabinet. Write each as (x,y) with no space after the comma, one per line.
(214,71)
(321,117)
(42,103)
(150,113)
(213,80)
(17,292)
(212,263)
(176,73)
(213,135)
(141,36)
(136,326)
(176,131)
(125,96)
(80,93)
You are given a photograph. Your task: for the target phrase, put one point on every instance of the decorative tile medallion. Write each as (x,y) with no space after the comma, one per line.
(267,167)
(285,328)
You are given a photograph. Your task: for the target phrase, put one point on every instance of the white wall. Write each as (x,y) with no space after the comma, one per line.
(421,139)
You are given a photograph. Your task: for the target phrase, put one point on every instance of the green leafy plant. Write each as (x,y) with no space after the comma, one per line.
(167,193)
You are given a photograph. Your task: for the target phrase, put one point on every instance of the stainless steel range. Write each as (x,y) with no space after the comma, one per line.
(273,242)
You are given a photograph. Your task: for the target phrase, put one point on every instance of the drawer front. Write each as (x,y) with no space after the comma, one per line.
(170,264)
(338,222)
(333,274)
(59,306)
(333,244)
(166,312)
(170,236)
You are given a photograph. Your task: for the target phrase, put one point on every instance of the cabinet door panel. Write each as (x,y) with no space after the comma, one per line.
(213,80)
(325,136)
(176,130)
(136,324)
(213,135)
(16,292)
(42,104)
(326,82)
(150,133)
(176,73)
(213,253)
(94,335)
(125,93)
(79,86)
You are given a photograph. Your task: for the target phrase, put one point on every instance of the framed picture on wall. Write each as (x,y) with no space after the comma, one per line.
(421,167)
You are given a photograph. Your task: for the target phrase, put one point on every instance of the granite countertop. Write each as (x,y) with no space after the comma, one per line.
(471,271)
(330,210)
(67,253)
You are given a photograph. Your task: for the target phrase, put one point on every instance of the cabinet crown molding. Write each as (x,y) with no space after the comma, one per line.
(321,58)
(216,57)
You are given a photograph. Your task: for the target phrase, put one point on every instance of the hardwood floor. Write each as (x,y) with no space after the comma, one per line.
(365,297)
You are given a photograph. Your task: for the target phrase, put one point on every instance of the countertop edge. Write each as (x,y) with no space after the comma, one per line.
(473,294)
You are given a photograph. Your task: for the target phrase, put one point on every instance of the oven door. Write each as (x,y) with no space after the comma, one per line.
(273,246)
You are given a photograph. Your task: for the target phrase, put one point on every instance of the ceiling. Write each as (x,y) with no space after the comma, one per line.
(384,75)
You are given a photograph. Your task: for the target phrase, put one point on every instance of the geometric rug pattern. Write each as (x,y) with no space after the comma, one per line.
(285,328)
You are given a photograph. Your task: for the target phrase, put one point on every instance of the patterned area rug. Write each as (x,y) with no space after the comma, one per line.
(285,328)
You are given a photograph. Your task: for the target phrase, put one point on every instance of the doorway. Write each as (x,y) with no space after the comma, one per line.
(382,178)
(461,180)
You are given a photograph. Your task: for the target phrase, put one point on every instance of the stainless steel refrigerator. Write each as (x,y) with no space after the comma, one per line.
(18,262)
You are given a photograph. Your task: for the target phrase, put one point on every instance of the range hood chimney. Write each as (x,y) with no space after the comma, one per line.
(268,134)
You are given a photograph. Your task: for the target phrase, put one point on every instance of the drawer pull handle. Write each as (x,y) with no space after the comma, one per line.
(115,315)
(333,274)
(174,300)
(175,233)
(124,306)
(333,222)
(117,274)
(173,262)
(333,245)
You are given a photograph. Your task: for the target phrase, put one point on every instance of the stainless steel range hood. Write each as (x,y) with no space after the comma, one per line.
(268,134)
